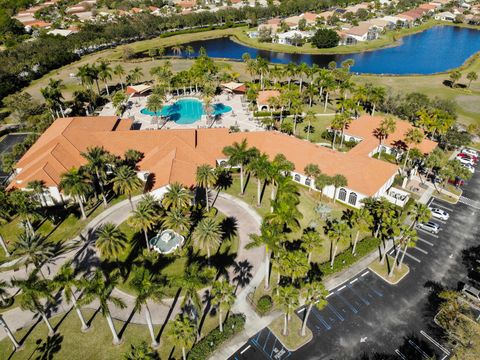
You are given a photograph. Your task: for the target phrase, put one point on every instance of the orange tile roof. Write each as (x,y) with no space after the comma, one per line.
(37,23)
(173,155)
(264,95)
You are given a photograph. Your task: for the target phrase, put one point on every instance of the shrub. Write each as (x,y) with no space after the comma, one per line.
(325,38)
(205,347)
(264,304)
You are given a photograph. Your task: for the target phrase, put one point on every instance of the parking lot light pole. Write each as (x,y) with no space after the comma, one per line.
(5,327)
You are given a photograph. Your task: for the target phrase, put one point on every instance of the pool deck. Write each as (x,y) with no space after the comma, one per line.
(239,116)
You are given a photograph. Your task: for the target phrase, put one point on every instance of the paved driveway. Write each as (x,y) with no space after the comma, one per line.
(367,318)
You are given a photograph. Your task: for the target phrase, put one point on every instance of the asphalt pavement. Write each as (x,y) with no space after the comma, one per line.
(366,318)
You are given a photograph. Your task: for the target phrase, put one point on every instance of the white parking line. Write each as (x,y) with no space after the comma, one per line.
(301,310)
(442,206)
(420,249)
(434,342)
(366,272)
(353,281)
(343,287)
(400,354)
(326,297)
(426,242)
(427,232)
(415,346)
(248,347)
(412,257)
(440,221)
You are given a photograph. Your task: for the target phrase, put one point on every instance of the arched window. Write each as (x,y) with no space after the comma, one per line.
(352,199)
(342,194)
(297,177)
(308,182)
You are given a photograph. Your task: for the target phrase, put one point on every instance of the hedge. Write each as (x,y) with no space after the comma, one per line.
(264,304)
(205,347)
(346,258)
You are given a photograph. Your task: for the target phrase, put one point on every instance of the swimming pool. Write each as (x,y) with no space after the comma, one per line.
(187,111)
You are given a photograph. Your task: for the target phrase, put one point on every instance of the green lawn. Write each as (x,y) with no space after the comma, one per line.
(317,127)
(293,340)
(383,270)
(70,343)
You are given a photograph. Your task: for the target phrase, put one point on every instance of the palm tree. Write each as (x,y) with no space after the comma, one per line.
(339,234)
(420,213)
(315,295)
(25,207)
(387,127)
(205,178)
(126,182)
(100,288)
(309,118)
(321,181)
(311,241)
(111,241)
(145,216)
(412,137)
(363,221)
(141,352)
(38,187)
(183,331)
(118,102)
(147,286)
(258,166)
(119,71)
(311,171)
(337,124)
(105,73)
(471,76)
(33,291)
(65,279)
(223,297)
(207,234)
(76,183)
(85,74)
(376,96)
(338,181)
(97,164)
(455,75)
(278,167)
(155,104)
(271,237)
(134,75)
(177,50)
(177,197)
(189,50)
(240,155)
(287,298)
(34,249)
(178,220)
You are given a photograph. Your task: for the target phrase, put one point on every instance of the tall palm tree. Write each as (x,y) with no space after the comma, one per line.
(376,96)
(311,171)
(222,296)
(126,182)
(387,127)
(207,234)
(339,234)
(239,154)
(258,166)
(97,160)
(311,241)
(119,71)
(155,104)
(178,220)
(288,300)
(183,331)
(177,197)
(85,74)
(412,137)
(321,181)
(105,73)
(34,249)
(76,183)
(315,295)
(147,287)
(118,102)
(177,49)
(206,177)
(278,167)
(111,241)
(65,279)
(363,221)
(25,207)
(419,213)
(33,291)
(145,216)
(338,181)
(189,50)
(100,288)
(38,187)
(134,75)
(310,116)
(407,240)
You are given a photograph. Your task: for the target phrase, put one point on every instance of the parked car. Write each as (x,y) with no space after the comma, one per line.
(468,157)
(469,168)
(465,161)
(471,292)
(470,152)
(439,213)
(429,226)
(457,182)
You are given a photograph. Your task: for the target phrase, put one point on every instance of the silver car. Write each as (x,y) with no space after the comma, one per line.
(471,292)
(440,214)
(429,226)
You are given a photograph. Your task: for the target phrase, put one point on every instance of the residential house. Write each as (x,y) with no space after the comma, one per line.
(263,98)
(291,37)
(445,16)
(362,32)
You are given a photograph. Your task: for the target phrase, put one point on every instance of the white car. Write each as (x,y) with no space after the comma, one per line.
(469,168)
(470,152)
(429,226)
(466,161)
(439,214)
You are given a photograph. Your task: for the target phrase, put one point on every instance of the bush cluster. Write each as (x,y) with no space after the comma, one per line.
(205,347)
(264,304)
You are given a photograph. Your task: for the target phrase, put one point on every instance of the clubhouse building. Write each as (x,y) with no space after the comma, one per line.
(174,155)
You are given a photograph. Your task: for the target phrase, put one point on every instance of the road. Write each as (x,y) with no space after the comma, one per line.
(366,318)
(6,145)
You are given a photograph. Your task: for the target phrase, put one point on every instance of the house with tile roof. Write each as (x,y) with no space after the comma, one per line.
(174,155)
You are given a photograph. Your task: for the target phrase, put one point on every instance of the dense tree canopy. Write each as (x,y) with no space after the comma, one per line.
(325,38)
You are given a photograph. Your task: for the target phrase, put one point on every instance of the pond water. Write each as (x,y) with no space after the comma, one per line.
(437,49)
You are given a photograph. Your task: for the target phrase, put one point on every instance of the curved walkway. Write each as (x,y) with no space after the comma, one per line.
(248,222)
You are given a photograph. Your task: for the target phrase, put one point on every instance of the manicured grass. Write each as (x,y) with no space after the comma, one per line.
(317,127)
(383,270)
(294,340)
(70,343)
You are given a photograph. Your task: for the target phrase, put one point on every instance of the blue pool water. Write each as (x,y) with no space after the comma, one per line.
(437,49)
(187,111)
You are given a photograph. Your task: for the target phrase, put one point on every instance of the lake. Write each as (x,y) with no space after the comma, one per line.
(437,49)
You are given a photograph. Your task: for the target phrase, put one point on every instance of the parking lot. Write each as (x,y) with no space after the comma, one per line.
(367,318)
(6,145)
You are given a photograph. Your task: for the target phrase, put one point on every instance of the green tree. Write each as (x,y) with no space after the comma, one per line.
(363,221)
(321,181)
(66,280)
(413,137)
(38,188)
(325,38)
(177,197)
(76,183)
(312,171)
(387,127)
(223,297)
(239,154)
(407,240)
(419,213)
(471,76)
(97,161)
(141,352)
(111,241)
(147,287)
(315,295)
(118,102)
(205,178)
(258,166)
(155,104)
(338,181)
(288,299)
(339,234)
(119,71)
(145,216)
(311,241)
(376,96)
(207,234)
(34,249)
(126,182)
(105,73)
(178,220)
(100,288)
(183,332)
(455,75)
(24,206)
